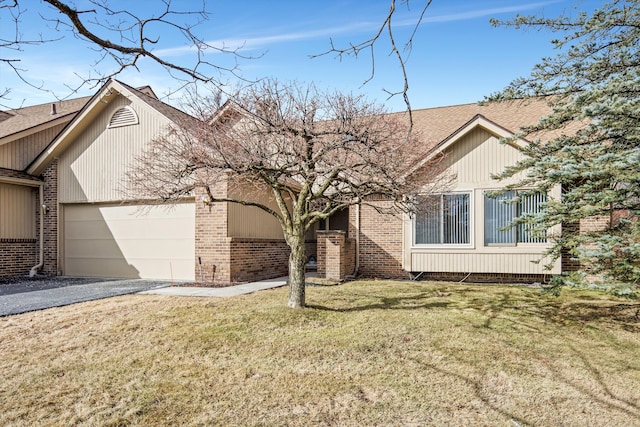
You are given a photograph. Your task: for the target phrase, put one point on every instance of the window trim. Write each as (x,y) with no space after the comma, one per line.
(469,245)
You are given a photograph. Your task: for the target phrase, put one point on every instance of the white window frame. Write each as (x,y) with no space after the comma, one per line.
(471,231)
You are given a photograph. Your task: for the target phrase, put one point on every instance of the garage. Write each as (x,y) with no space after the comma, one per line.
(150,242)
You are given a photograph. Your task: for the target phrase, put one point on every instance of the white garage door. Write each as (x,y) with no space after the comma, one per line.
(126,241)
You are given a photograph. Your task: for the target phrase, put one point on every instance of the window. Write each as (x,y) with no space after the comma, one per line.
(124,116)
(446,220)
(499,213)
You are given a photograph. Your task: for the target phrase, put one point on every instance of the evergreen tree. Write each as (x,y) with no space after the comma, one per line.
(590,144)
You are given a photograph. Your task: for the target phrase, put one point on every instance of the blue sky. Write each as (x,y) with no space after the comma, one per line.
(458,57)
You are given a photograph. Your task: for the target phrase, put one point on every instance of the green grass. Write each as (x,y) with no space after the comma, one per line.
(363,353)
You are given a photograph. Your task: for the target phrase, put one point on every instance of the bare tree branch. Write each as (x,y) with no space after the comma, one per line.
(369,45)
(122,39)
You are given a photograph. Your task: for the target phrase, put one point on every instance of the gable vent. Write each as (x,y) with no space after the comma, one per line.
(124,116)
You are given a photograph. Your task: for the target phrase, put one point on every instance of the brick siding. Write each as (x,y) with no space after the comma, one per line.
(336,254)
(380,242)
(213,254)
(50,175)
(258,259)
(222,260)
(18,256)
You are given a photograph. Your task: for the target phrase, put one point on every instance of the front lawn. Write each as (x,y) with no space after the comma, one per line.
(364,353)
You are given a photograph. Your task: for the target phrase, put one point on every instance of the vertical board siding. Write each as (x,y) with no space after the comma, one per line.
(509,263)
(93,168)
(473,160)
(20,153)
(479,155)
(18,222)
(250,221)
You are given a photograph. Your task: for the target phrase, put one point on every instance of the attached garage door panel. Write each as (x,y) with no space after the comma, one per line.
(126,241)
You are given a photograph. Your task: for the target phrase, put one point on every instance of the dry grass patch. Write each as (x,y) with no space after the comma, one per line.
(364,353)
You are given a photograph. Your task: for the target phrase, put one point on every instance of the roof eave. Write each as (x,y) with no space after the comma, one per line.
(38,128)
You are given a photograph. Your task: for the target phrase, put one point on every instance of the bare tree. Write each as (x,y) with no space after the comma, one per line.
(314,152)
(120,38)
(400,50)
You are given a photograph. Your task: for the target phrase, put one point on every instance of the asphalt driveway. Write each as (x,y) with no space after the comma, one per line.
(22,294)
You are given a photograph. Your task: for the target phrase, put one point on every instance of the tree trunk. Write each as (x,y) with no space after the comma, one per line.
(297,264)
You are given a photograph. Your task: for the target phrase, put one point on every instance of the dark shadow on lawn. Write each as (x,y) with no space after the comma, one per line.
(423,300)
(611,400)
(497,304)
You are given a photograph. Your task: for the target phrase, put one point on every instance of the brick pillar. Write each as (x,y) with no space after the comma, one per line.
(50,267)
(212,244)
(332,254)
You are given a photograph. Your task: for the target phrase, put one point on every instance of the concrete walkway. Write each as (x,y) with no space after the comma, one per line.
(229,291)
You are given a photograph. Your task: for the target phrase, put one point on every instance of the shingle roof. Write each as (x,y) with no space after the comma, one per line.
(12,173)
(172,113)
(21,119)
(436,124)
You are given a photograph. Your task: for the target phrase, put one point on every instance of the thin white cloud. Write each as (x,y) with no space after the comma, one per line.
(252,43)
(260,42)
(473,14)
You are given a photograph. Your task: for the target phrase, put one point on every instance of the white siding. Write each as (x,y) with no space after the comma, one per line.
(477,156)
(478,262)
(20,153)
(250,221)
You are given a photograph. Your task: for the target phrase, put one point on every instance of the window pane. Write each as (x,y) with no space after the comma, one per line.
(498,214)
(530,204)
(428,222)
(455,219)
(445,219)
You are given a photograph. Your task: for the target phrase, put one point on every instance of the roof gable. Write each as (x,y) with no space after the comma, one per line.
(91,110)
(440,128)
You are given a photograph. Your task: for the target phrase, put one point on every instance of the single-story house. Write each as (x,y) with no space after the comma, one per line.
(64,211)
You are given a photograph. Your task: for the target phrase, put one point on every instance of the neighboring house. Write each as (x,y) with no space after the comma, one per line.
(70,168)
(24,133)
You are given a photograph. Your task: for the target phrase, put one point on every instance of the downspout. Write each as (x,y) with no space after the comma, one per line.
(357,263)
(43,210)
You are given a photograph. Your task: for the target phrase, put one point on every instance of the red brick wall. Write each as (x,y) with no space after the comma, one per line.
(211,241)
(225,260)
(18,256)
(50,175)
(380,242)
(595,223)
(257,259)
(336,254)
